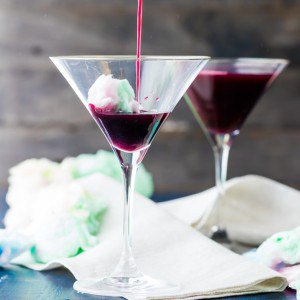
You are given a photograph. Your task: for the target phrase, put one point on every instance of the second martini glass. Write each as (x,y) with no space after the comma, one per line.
(221,98)
(105,85)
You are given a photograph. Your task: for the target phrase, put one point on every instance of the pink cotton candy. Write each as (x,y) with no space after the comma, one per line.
(290,272)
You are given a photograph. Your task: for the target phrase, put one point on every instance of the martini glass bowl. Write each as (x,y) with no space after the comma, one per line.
(106,85)
(221,98)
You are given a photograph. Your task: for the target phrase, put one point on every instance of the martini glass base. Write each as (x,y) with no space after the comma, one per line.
(219,235)
(129,287)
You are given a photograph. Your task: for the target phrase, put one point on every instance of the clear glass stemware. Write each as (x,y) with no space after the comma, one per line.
(106,85)
(221,98)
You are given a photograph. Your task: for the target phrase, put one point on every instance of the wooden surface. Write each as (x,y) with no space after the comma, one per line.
(40,115)
(18,283)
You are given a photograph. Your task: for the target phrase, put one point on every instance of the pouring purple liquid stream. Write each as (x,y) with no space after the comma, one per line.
(138,47)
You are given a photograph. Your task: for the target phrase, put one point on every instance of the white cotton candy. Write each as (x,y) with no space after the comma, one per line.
(48,204)
(281,247)
(59,236)
(110,94)
(104,91)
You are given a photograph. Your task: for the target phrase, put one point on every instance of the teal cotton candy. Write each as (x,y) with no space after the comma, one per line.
(90,211)
(61,217)
(105,162)
(281,252)
(126,96)
(281,247)
(69,233)
(64,236)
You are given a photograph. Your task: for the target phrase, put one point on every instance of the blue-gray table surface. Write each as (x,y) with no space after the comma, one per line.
(18,283)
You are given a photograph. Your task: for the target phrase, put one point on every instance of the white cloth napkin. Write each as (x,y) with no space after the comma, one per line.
(253,209)
(167,249)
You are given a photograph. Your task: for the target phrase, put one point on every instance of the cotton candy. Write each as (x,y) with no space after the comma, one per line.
(105,162)
(282,252)
(49,205)
(281,247)
(110,94)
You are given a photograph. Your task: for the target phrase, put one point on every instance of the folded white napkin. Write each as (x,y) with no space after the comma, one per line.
(167,249)
(253,209)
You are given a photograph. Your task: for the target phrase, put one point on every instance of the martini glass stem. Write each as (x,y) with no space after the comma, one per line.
(221,146)
(221,154)
(126,270)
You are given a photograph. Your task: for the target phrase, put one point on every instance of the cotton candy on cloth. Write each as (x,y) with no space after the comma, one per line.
(49,205)
(105,162)
(282,253)
(61,220)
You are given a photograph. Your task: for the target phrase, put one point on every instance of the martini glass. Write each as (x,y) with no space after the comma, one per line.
(105,85)
(221,98)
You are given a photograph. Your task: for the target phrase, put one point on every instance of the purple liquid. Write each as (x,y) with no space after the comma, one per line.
(223,100)
(139,26)
(129,131)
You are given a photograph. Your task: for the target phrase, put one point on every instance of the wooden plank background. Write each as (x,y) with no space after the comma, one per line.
(41,117)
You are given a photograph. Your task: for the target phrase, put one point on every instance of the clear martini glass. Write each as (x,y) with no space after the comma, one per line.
(221,98)
(105,85)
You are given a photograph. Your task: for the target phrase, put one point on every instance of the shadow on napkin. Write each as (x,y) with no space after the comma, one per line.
(253,209)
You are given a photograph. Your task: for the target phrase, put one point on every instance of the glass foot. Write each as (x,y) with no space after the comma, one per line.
(219,235)
(128,287)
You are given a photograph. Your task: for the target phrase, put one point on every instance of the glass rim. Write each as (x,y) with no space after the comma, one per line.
(130,57)
(249,59)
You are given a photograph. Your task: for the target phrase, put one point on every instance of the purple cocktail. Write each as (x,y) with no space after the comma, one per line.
(223,100)
(129,131)
(221,97)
